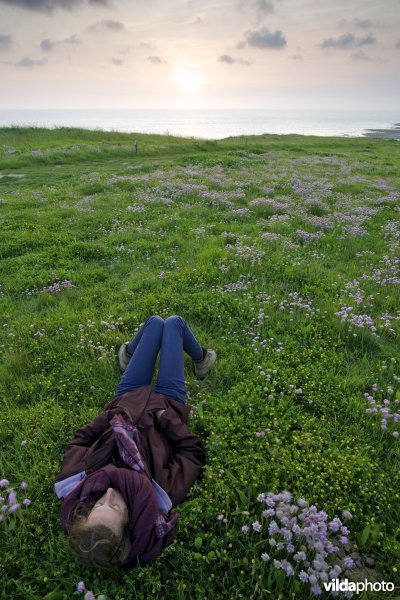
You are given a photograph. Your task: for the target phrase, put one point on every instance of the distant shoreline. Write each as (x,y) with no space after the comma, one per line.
(391,133)
(218,124)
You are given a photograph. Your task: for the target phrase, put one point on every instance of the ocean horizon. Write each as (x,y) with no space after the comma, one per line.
(214,124)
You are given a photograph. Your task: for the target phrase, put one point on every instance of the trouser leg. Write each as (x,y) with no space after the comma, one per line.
(177,338)
(144,348)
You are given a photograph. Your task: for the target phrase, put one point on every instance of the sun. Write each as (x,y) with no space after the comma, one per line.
(187,79)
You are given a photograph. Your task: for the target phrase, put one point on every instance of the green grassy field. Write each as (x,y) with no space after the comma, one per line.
(281,252)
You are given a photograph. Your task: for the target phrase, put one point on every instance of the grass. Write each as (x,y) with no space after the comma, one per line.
(173,230)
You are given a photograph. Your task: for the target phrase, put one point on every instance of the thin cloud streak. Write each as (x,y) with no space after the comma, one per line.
(229,60)
(29,63)
(156,60)
(49,6)
(263,39)
(361,56)
(363,24)
(5,42)
(348,40)
(48,46)
(106,24)
(265,6)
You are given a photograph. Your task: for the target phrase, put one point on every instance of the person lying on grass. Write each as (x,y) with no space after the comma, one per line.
(123,472)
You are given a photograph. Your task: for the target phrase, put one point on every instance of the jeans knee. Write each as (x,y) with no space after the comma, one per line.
(155,321)
(175,321)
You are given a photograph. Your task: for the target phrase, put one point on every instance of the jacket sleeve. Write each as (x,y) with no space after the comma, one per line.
(187,456)
(82,444)
(86,435)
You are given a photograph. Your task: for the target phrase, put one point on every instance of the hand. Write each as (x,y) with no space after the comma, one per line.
(159,412)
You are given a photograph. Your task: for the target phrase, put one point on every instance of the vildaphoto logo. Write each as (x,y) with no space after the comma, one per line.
(344,585)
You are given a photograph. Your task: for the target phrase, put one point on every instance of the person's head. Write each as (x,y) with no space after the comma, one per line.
(98,531)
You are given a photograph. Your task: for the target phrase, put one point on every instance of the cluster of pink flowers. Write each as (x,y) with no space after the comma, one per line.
(300,539)
(10,504)
(58,286)
(88,593)
(308,236)
(388,408)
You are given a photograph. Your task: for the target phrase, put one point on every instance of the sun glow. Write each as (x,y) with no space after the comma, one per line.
(187,79)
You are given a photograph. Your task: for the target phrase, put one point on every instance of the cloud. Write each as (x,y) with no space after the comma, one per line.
(117,61)
(264,39)
(360,56)
(156,60)
(5,41)
(107,24)
(398,44)
(229,60)
(348,40)
(48,6)
(48,46)
(29,63)
(265,6)
(363,23)
(259,7)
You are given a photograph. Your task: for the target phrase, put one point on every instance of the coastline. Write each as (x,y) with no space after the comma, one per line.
(391,133)
(215,125)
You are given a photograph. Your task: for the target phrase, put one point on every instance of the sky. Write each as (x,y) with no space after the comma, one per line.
(208,54)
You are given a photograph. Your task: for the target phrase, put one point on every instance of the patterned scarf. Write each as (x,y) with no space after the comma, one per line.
(127,437)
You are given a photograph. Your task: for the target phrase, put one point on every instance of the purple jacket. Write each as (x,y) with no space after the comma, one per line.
(173,456)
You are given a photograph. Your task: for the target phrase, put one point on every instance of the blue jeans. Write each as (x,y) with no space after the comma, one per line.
(172,338)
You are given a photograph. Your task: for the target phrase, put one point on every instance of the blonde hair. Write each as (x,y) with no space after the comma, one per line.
(97,545)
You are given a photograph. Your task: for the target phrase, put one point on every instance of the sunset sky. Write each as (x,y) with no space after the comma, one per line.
(200,54)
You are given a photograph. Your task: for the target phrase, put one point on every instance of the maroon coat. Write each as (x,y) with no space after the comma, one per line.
(173,454)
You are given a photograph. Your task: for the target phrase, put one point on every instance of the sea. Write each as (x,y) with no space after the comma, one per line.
(215,124)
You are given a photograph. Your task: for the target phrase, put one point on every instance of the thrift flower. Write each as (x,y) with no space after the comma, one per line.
(335,524)
(256,526)
(4,483)
(348,562)
(347,515)
(300,556)
(14,508)
(316,590)
(273,528)
(23,485)
(23,443)
(80,586)
(265,557)
(26,502)
(287,567)
(272,542)
(90,596)
(245,529)
(12,498)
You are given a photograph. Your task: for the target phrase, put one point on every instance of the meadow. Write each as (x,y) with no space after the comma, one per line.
(282,254)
